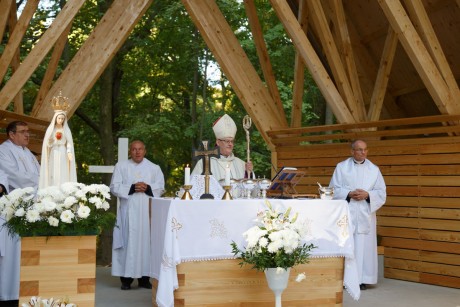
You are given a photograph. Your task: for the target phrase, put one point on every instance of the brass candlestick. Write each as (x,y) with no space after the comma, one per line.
(187,195)
(227,195)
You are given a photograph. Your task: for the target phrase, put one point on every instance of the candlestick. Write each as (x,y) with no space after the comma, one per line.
(187,175)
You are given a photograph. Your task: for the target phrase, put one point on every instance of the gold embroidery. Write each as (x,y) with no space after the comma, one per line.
(343,224)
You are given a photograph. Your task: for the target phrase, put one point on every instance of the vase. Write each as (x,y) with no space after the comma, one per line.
(277,282)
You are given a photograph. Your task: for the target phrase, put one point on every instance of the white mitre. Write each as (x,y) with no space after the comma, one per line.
(224,127)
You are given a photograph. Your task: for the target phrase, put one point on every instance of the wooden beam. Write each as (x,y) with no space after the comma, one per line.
(420,57)
(299,73)
(51,69)
(233,60)
(332,54)
(262,53)
(348,55)
(5,7)
(422,22)
(87,65)
(313,62)
(15,39)
(18,105)
(383,75)
(38,53)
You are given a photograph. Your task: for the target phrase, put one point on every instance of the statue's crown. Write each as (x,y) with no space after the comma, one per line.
(60,103)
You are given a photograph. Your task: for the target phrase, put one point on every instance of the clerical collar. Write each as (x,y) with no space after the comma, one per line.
(358,162)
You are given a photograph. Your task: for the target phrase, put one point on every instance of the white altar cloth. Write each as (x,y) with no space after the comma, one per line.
(202,230)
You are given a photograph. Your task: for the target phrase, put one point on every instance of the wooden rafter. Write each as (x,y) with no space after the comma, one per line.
(5,7)
(420,57)
(38,53)
(262,52)
(312,61)
(299,73)
(86,66)
(233,60)
(344,42)
(342,82)
(421,20)
(383,75)
(15,61)
(15,39)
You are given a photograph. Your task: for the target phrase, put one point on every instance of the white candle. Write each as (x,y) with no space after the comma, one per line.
(227,175)
(187,175)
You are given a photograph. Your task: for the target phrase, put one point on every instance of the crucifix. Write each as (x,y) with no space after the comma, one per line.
(205,154)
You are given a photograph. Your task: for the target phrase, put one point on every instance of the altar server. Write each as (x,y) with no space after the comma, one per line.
(22,171)
(225,130)
(361,183)
(134,182)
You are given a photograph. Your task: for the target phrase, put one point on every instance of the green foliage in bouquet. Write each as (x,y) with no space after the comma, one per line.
(71,209)
(275,242)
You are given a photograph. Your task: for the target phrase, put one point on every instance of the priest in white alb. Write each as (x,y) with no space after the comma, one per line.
(361,183)
(22,170)
(225,130)
(134,182)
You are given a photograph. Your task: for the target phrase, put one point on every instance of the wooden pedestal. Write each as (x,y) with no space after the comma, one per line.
(59,268)
(224,283)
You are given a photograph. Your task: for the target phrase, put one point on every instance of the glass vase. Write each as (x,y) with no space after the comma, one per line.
(277,282)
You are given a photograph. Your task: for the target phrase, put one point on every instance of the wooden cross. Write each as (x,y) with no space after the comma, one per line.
(206,155)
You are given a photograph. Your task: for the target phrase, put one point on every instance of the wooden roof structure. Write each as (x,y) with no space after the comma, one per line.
(371,59)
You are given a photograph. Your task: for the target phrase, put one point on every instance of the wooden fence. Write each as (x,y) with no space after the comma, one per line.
(419,225)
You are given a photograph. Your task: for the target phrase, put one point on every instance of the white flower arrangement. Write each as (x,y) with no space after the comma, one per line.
(71,209)
(39,302)
(274,242)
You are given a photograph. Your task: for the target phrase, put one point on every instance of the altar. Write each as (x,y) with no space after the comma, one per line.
(199,232)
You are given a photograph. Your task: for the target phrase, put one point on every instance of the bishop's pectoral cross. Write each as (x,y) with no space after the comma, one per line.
(205,154)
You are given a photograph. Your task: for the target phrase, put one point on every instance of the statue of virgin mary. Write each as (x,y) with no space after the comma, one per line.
(58,157)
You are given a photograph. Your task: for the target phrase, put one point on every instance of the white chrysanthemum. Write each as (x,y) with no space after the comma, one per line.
(40,207)
(32,216)
(263,242)
(252,236)
(80,195)
(53,221)
(105,206)
(49,205)
(67,216)
(83,212)
(20,212)
(275,246)
(96,201)
(8,213)
(70,187)
(70,201)
(301,277)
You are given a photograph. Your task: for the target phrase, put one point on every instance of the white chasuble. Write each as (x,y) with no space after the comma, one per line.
(131,235)
(218,166)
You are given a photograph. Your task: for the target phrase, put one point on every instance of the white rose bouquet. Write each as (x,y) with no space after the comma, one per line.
(71,209)
(274,242)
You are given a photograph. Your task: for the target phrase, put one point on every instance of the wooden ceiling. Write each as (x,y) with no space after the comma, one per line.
(371,59)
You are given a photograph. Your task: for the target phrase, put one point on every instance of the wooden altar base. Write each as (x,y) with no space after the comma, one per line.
(224,283)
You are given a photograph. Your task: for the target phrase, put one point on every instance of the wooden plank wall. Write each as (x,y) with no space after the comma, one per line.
(419,226)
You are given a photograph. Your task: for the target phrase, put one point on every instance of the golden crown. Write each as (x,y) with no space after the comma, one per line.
(60,103)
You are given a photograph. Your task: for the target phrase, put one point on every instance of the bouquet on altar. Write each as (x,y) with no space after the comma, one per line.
(39,302)
(275,241)
(70,209)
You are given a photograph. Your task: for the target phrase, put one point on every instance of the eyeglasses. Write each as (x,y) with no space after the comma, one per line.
(360,149)
(25,132)
(228,142)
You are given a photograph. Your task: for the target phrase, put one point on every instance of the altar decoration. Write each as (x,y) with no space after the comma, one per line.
(274,245)
(71,209)
(39,302)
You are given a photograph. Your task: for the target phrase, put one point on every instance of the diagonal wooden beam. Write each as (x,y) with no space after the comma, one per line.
(16,36)
(262,53)
(420,57)
(312,61)
(348,54)
(422,22)
(15,61)
(383,75)
(51,69)
(299,73)
(87,65)
(342,82)
(5,7)
(38,53)
(233,60)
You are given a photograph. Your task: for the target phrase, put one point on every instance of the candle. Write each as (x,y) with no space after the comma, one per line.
(187,175)
(227,175)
